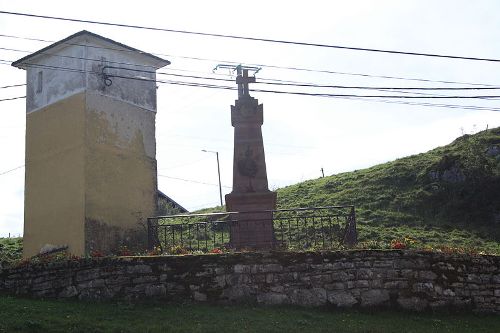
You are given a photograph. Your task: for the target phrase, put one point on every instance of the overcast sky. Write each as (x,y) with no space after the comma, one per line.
(302,134)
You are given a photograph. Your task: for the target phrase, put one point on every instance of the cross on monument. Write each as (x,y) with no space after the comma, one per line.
(242,80)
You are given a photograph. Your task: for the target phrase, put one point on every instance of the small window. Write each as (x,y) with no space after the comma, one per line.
(39,82)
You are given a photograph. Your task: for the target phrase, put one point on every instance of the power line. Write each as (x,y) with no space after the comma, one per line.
(345,96)
(7,171)
(192,181)
(268,40)
(13,85)
(197,84)
(262,80)
(368,75)
(312,85)
(12,98)
(235,62)
(206,85)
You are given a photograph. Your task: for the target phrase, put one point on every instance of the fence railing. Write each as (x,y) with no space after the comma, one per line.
(292,229)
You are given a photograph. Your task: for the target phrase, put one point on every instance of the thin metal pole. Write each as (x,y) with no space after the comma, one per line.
(218,171)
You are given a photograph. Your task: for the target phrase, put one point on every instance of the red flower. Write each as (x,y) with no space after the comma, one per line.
(96,254)
(397,245)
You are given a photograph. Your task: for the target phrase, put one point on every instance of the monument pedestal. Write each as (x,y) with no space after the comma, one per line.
(252,227)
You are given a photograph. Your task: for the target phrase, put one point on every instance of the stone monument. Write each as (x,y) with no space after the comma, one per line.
(90,145)
(252,226)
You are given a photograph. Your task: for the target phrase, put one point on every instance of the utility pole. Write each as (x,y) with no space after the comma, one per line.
(218,172)
(323,173)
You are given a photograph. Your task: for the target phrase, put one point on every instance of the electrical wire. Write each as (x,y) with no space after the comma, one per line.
(268,40)
(12,98)
(346,96)
(275,81)
(13,85)
(233,62)
(14,169)
(192,181)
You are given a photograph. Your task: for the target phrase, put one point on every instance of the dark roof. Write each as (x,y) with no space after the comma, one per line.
(172,202)
(19,62)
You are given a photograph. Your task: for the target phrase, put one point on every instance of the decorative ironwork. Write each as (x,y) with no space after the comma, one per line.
(294,229)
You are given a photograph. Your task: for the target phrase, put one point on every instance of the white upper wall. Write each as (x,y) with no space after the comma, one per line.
(86,61)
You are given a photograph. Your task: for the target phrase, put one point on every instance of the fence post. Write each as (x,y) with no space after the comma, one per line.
(351,233)
(153,240)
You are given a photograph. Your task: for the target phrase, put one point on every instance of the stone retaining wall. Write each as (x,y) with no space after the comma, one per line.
(404,279)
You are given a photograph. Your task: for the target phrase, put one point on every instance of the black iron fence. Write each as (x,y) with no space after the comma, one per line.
(292,229)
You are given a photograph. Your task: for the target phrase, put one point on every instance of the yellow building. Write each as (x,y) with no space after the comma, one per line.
(91,177)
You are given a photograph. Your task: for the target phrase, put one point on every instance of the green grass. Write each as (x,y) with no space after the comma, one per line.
(407,190)
(11,250)
(24,315)
(417,196)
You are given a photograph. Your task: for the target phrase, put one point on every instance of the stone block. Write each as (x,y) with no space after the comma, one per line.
(398,284)
(272,298)
(320,280)
(341,299)
(43,286)
(342,265)
(404,263)
(96,294)
(364,274)
(240,269)
(473,278)
(176,287)
(382,264)
(139,269)
(308,297)
(362,284)
(342,276)
(408,273)
(220,281)
(335,286)
(362,264)
(374,297)
(448,293)
(68,292)
(156,291)
(413,303)
(88,274)
(271,268)
(425,287)
(117,281)
(145,279)
(97,283)
(277,289)
(427,275)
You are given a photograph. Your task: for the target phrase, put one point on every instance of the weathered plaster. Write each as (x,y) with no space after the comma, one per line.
(79,65)
(54,184)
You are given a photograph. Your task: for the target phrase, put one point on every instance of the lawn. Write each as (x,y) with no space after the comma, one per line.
(25,315)
(11,250)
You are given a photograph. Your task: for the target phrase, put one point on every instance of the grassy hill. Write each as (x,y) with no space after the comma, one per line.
(449,191)
(11,250)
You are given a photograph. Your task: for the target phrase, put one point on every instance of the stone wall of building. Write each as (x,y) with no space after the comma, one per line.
(403,279)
